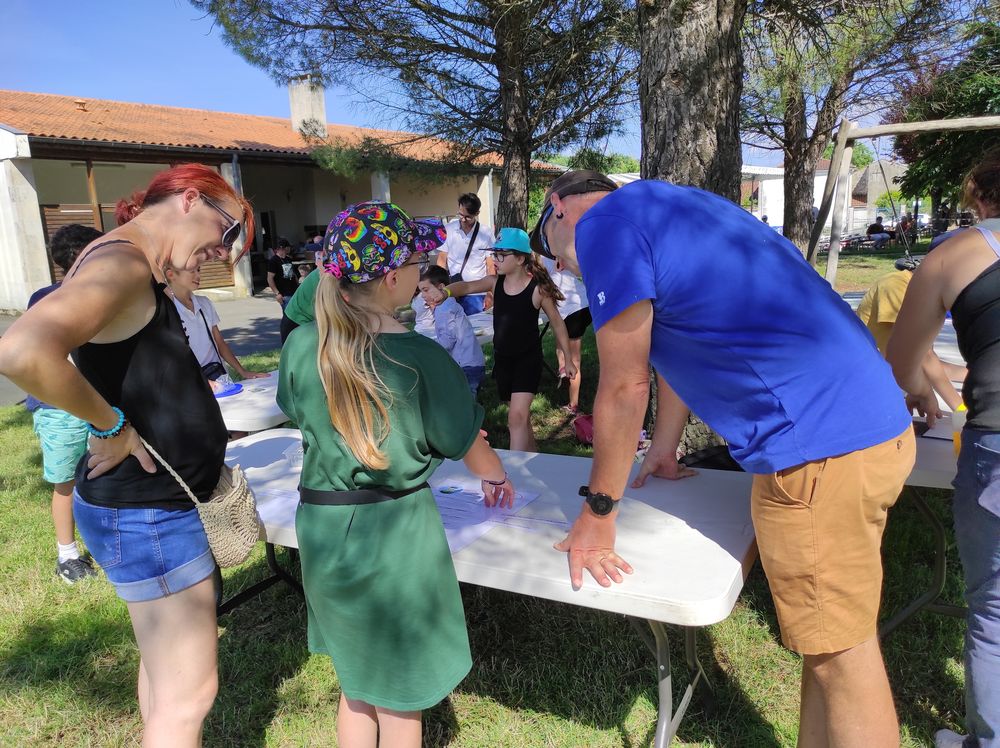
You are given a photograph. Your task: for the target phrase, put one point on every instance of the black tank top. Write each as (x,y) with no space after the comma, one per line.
(155,379)
(515,321)
(976,316)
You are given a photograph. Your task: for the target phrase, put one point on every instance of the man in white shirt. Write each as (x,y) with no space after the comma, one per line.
(464,253)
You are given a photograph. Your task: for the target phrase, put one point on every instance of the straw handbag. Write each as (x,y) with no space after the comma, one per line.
(229,515)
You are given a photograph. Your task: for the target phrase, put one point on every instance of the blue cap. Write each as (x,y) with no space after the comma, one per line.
(514,240)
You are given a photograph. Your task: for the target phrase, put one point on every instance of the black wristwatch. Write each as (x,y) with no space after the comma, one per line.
(600,503)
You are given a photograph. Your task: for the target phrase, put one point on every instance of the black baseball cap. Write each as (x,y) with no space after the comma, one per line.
(576,182)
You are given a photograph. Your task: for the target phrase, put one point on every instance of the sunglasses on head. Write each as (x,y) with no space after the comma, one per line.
(232,233)
(546,214)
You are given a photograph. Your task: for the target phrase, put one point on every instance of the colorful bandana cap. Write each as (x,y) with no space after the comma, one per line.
(369,239)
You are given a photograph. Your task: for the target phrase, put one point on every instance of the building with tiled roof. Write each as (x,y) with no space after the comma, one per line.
(70,159)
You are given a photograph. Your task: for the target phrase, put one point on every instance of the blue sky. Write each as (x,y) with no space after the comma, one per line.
(163,52)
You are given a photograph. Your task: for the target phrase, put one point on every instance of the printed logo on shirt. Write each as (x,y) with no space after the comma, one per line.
(600,298)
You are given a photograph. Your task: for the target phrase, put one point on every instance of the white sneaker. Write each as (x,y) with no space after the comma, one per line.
(948,739)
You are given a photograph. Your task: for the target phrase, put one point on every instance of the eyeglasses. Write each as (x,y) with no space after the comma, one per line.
(422,262)
(232,233)
(546,214)
(500,256)
(468,216)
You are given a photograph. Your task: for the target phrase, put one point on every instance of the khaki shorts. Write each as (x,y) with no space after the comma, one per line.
(819,532)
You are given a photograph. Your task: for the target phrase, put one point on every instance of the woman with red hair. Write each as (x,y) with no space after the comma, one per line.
(135,375)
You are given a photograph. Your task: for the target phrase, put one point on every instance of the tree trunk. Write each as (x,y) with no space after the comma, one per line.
(800,168)
(937,196)
(512,207)
(690,81)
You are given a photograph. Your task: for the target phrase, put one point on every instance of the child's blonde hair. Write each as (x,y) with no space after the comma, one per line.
(356,396)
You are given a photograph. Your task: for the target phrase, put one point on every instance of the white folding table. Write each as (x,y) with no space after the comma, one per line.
(255,408)
(691,543)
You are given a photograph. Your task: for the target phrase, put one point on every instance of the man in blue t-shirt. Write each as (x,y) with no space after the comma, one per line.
(742,331)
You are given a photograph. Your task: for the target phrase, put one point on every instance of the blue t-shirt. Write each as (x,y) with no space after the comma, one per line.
(749,336)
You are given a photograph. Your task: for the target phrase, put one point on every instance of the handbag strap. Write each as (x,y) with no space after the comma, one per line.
(468,251)
(170,470)
(208,330)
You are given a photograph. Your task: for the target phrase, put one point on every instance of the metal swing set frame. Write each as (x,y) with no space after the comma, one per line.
(838,178)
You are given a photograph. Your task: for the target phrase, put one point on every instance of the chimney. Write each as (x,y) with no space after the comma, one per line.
(307,102)
(81,104)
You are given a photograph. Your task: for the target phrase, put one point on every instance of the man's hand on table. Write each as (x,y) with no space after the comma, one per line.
(661,466)
(591,545)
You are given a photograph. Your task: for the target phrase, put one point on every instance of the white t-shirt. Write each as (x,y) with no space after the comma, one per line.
(456,245)
(572,288)
(424,320)
(194,326)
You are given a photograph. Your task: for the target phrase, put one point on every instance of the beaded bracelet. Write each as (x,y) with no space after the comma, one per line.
(114,430)
(496,482)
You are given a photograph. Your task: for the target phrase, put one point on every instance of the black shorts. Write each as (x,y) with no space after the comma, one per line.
(517,373)
(578,322)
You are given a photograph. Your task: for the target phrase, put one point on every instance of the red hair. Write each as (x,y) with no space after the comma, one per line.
(174,181)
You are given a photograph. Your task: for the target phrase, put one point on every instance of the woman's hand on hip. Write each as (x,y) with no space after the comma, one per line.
(106,454)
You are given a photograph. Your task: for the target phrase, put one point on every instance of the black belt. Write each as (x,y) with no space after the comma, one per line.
(354,498)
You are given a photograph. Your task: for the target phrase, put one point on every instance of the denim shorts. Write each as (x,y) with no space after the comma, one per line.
(145,553)
(64,440)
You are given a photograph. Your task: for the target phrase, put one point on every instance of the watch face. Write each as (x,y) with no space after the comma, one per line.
(601,503)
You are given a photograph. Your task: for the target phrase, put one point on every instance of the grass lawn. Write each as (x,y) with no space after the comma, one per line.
(545,674)
(856,271)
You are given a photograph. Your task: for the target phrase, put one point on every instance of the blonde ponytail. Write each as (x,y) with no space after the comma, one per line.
(356,396)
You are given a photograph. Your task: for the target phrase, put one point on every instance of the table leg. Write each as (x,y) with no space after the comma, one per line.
(927,600)
(654,635)
(278,574)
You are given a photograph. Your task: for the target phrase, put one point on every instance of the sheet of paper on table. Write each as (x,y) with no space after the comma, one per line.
(466,517)
(943,429)
(463,512)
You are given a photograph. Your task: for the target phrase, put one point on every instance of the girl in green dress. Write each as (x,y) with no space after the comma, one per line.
(379,408)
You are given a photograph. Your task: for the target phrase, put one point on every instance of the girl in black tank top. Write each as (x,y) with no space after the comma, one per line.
(517,345)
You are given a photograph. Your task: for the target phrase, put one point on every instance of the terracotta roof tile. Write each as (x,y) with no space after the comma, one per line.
(72,118)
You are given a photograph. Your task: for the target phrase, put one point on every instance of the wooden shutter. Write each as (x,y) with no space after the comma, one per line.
(216,274)
(54,217)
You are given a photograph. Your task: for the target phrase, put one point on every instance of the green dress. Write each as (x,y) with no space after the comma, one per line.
(381,593)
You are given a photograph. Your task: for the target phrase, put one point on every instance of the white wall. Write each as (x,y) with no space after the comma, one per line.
(419,197)
(771,194)
(24,263)
(288,192)
(332,193)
